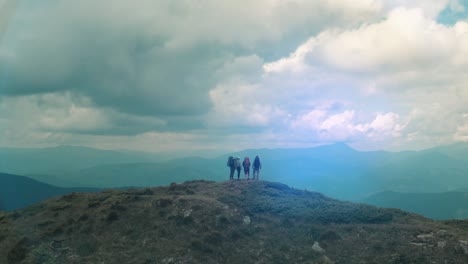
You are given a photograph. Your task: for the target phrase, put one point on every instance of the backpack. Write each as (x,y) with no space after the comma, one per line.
(256,162)
(246,162)
(230,162)
(238,163)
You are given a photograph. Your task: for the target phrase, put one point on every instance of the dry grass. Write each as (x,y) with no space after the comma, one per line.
(205,222)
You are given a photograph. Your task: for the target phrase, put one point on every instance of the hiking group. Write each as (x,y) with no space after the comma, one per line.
(234,164)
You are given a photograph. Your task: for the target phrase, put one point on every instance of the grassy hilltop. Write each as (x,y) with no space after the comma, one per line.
(227,222)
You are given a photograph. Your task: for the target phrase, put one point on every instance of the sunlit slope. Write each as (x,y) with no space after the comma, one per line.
(228,222)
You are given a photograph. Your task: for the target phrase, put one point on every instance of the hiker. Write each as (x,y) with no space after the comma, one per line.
(237,163)
(257,166)
(231,166)
(246,165)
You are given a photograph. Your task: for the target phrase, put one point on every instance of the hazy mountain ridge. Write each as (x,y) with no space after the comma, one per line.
(18,192)
(335,170)
(229,222)
(57,160)
(446,205)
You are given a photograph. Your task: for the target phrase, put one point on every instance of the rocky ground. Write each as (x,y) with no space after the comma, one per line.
(229,222)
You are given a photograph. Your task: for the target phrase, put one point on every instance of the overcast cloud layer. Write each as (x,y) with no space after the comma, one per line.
(205,74)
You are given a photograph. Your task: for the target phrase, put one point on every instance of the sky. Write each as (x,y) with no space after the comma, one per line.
(229,75)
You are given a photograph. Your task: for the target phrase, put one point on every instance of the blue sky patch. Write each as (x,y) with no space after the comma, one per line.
(455,11)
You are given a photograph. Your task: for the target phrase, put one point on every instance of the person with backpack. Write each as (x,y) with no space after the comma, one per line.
(231,166)
(246,165)
(237,163)
(257,166)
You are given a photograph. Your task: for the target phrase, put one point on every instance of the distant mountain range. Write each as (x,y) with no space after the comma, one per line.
(446,205)
(335,170)
(19,192)
(58,160)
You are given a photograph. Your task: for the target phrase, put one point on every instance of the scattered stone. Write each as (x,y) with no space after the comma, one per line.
(187,213)
(317,248)
(168,260)
(441,232)
(426,236)
(441,244)
(464,245)
(327,260)
(246,220)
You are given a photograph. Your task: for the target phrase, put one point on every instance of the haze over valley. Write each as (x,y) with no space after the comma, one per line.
(434,179)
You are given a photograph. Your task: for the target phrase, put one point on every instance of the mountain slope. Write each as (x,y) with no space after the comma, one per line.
(18,191)
(228,222)
(447,205)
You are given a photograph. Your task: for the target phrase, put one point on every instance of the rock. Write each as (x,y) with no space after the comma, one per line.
(441,244)
(246,220)
(464,245)
(441,232)
(326,260)
(167,260)
(426,236)
(317,248)
(187,213)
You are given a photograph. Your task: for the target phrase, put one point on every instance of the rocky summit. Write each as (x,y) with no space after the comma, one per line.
(228,222)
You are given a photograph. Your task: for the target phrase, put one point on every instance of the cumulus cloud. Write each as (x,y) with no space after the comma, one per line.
(150,58)
(360,71)
(344,126)
(405,41)
(430,8)
(66,113)
(407,69)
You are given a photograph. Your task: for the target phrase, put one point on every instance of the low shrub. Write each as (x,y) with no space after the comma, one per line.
(214,238)
(87,247)
(83,217)
(19,251)
(329,235)
(163,202)
(112,216)
(201,247)
(118,207)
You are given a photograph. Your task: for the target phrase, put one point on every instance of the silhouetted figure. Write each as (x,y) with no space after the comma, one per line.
(237,162)
(257,166)
(246,165)
(231,166)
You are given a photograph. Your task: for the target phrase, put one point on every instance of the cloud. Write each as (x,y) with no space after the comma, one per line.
(462,129)
(406,41)
(150,58)
(344,126)
(430,8)
(363,71)
(456,6)
(67,113)
(242,105)
(383,79)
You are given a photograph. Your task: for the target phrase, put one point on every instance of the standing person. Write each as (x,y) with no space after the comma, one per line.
(246,165)
(257,166)
(238,167)
(231,166)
